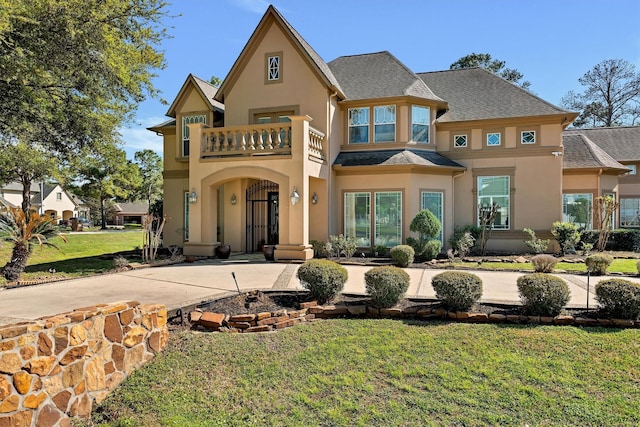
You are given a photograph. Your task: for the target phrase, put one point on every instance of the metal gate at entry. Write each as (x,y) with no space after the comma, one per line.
(262,215)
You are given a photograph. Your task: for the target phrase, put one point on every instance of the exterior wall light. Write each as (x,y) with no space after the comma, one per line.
(295,197)
(314,198)
(193,197)
(234,199)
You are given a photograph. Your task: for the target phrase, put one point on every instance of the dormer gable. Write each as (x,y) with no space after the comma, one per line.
(205,94)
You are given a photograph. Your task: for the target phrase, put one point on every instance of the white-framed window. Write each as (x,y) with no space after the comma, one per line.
(528,137)
(384,123)
(420,120)
(459,141)
(577,208)
(493,139)
(273,68)
(58,196)
(186,121)
(495,189)
(630,212)
(357,217)
(433,200)
(187,201)
(633,169)
(384,217)
(359,125)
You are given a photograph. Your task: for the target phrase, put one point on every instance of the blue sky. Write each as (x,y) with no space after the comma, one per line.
(552,42)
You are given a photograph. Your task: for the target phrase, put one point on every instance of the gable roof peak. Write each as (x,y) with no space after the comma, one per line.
(206,90)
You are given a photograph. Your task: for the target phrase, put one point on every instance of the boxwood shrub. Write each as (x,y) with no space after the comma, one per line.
(620,298)
(543,294)
(623,239)
(598,264)
(458,290)
(544,263)
(386,285)
(402,255)
(323,278)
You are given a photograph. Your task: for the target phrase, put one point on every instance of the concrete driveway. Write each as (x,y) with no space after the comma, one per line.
(185,284)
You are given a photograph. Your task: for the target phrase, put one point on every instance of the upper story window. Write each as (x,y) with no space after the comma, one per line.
(384,120)
(633,170)
(273,67)
(528,137)
(493,139)
(459,141)
(187,120)
(359,125)
(58,196)
(420,119)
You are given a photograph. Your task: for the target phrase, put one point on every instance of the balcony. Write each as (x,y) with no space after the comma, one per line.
(270,139)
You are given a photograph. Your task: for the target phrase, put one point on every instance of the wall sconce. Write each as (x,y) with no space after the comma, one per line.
(314,198)
(556,153)
(234,199)
(193,196)
(295,197)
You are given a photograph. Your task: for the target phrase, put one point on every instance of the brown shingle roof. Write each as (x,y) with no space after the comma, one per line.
(378,75)
(622,143)
(580,152)
(478,94)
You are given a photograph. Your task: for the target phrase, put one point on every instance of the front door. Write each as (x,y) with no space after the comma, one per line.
(262,215)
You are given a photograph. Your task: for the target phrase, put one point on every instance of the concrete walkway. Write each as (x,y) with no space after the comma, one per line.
(185,284)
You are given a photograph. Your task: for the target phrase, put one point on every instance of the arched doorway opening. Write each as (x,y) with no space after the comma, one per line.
(263,215)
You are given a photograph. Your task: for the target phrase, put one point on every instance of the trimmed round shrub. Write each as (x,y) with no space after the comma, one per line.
(544,263)
(598,264)
(620,298)
(386,285)
(543,294)
(432,249)
(458,290)
(402,255)
(323,278)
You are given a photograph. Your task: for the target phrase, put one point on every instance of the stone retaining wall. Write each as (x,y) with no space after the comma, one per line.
(311,311)
(54,368)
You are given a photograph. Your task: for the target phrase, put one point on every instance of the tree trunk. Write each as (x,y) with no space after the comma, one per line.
(26,195)
(102,216)
(12,270)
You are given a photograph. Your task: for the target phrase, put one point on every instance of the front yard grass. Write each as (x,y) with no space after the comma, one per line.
(386,372)
(619,265)
(79,256)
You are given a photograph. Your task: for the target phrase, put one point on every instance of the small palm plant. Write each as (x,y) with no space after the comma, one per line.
(25,232)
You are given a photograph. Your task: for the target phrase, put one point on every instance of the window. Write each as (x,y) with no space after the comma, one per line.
(273,68)
(387,218)
(58,196)
(578,209)
(630,212)
(187,120)
(528,137)
(495,189)
(278,117)
(384,123)
(187,200)
(357,217)
(420,119)
(432,200)
(493,139)
(459,141)
(633,170)
(359,125)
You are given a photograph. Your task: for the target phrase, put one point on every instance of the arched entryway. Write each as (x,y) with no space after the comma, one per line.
(263,215)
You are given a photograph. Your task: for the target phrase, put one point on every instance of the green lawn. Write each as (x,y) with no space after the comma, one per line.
(386,373)
(619,265)
(77,257)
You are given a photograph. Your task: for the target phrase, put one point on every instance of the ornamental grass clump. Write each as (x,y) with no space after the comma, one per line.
(543,294)
(402,255)
(544,263)
(458,290)
(386,285)
(619,298)
(323,278)
(598,264)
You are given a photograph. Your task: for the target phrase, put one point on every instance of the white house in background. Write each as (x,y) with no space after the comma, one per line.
(48,199)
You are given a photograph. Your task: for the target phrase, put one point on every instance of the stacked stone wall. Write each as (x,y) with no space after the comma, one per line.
(55,368)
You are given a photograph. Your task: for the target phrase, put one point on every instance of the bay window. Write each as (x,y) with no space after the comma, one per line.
(384,217)
(187,120)
(384,123)
(420,119)
(359,125)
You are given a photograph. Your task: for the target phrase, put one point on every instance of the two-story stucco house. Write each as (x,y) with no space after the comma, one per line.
(291,148)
